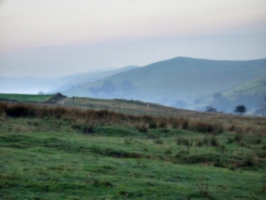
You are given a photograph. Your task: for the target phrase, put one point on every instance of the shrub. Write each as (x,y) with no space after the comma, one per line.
(238,138)
(158,141)
(260,153)
(142,128)
(232,128)
(264,181)
(77,126)
(204,127)
(185,124)
(59,112)
(199,142)
(168,151)
(203,189)
(163,124)
(214,141)
(103,114)
(153,125)
(184,141)
(206,141)
(3,108)
(147,119)
(20,110)
(87,129)
(175,123)
(249,161)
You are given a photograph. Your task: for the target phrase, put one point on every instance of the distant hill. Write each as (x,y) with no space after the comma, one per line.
(33,85)
(254,87)
(252,94)
(76,79)
(180,82)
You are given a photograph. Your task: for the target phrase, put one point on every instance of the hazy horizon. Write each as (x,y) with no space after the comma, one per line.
(58,38)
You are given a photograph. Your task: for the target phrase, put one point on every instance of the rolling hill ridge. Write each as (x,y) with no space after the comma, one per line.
(180,82)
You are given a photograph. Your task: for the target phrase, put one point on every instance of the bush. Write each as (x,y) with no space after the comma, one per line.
(204,127)
(163,124)
(184,141)
(238,138)
(158,141)
(20,110)
(142,129)
(249,161)
(88,129)
(153,125)
(3,108)
(184,124)
(214,141)
(103,114)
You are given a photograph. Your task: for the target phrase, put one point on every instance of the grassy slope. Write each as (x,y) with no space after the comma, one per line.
(140,108)
(257,86)
(25,97)
(54,157)
(250,88)
(47,159)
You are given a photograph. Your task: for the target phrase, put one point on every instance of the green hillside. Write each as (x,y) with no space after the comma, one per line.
(178,82)
(25,97)
(254,87)
(252,94)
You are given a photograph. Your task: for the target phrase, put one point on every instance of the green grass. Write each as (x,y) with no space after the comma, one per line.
(46,158)
(253,87)
(26,97)
(138,108)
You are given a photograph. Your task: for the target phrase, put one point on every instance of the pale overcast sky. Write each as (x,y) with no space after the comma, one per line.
(60,37)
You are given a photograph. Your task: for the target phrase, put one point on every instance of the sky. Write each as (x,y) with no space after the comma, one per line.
(60,37)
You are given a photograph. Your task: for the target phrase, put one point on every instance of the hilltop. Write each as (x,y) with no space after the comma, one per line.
(180,82)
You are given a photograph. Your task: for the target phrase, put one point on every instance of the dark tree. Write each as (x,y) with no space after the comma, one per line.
(241,109)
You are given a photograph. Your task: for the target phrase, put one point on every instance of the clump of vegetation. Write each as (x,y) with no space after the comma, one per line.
(87,129)
(264,181)
(203,189)
(204,127)
(186,141)
(153,125)
(142,128)
(240,109)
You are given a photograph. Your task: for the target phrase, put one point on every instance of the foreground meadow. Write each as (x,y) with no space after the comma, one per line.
(60,153)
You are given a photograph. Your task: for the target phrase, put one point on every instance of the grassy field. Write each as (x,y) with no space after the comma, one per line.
(25,97)
(62,153)
(241,124)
